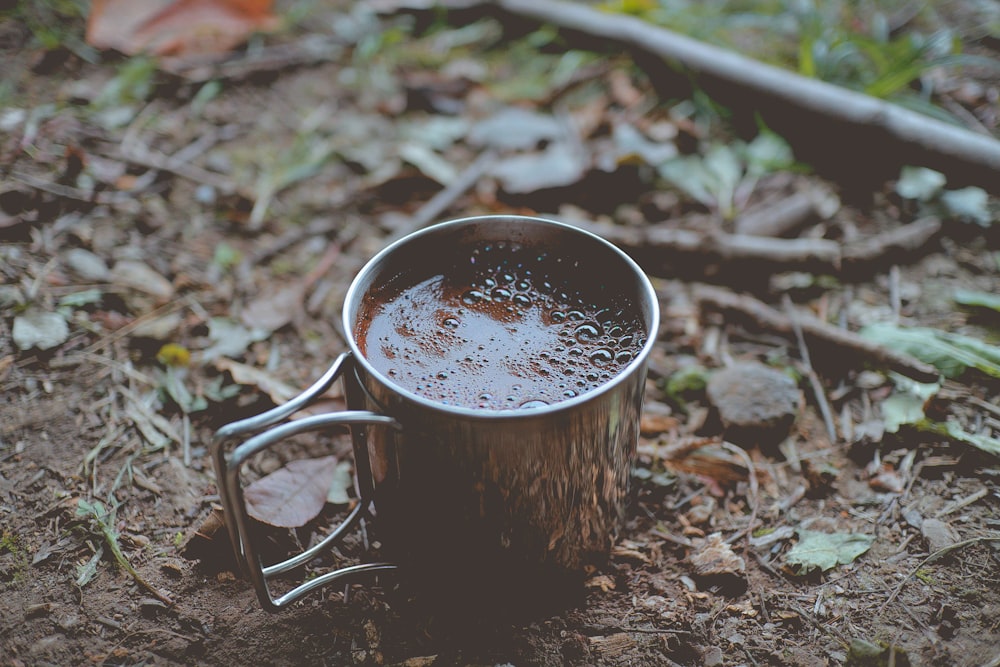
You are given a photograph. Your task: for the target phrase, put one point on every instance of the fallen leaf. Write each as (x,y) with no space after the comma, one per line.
(816,549)
(293,495)
(514,128)
(341,485)
(230,339)
(274,309)
(558,165)
(280,392)
(602,581)
(176,27)
(713,556)
(950,353)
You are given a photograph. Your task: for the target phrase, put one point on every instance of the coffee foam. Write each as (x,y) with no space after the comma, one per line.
(503,329)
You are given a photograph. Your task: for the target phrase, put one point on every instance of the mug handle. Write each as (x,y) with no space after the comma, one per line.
(237,520)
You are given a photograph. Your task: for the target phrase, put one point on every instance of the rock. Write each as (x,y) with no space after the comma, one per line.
(713,657)
(756,403)
(938,534)
(87,265)
(716,565)
(139,276)
(38,328)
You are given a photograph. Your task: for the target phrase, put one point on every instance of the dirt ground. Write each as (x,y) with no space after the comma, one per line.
(198,290)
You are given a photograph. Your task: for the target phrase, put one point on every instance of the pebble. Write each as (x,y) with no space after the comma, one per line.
(754,402)
(39,328)
(139,276)
(938,534)
(87,265)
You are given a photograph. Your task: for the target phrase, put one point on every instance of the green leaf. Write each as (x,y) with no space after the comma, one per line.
(953,430)
(767,153)
(978,299)
(919,183)
(900,409)
(87,571)
(952,354)
(172,382)
(968,204)
(816,549)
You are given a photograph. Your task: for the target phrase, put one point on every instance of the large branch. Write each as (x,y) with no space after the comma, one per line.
(888,132)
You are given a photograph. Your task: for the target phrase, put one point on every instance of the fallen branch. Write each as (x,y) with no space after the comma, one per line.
(787,213)
(911,136)
(890,246)
(814,330)
(933,557)
(660,244)
(443,200)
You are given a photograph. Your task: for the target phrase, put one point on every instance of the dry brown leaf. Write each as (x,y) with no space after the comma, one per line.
(291,496)
(274,309)
(279,391)
(176,27)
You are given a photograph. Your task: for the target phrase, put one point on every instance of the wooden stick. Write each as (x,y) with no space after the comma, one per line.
(887,246)
(816,330)
(936,144)
(817,386)
(444,198)
(820,255)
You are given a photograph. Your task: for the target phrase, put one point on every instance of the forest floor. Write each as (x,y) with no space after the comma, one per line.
(174,251)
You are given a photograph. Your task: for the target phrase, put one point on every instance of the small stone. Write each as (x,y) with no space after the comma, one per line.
(713,657)
(87,265)
(755,403)
(139,276)
(716,565)
(41,329)
(938,534)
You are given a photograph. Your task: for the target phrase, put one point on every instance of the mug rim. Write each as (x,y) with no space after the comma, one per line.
(353,297)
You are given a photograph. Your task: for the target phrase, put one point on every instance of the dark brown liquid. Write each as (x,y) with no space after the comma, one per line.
(500,330)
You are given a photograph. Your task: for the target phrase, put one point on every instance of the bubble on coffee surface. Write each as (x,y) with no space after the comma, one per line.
(505,331)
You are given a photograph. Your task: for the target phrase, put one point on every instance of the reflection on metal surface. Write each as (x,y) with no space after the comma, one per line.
(461,498)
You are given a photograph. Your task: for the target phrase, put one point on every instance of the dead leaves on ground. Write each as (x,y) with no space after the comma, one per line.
(176,27)
(295,494)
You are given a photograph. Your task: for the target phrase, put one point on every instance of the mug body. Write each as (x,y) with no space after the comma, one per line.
(470,495)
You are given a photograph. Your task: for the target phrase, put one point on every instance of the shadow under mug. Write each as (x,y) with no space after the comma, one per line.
(465,499)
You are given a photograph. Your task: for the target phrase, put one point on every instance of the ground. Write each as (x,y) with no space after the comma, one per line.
(145,301)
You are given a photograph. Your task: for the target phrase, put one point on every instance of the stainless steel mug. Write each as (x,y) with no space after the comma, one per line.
(461,496)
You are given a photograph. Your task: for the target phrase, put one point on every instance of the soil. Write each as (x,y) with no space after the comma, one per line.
(191,293)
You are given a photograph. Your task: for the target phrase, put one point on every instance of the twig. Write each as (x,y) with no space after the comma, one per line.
(76,194)
(144,157)
(815,331)
(697,248)
(787,214)
(833,632)
(890,246)
(102,518)
(817,387)
(308,51)
(964,502)
(933,557)
(754,491)
(441,201)
(935,143)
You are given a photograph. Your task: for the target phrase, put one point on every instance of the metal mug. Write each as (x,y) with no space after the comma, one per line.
(461,496)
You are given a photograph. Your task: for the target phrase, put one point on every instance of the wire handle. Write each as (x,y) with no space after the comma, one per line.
(268,434)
